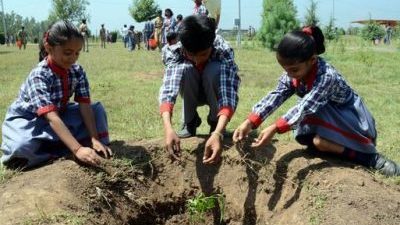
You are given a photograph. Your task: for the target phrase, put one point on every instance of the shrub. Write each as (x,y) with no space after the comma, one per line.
(2,39)
(372,31)
(114,36)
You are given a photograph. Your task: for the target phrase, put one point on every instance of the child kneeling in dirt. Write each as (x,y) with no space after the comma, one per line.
(41,122)
(329,116)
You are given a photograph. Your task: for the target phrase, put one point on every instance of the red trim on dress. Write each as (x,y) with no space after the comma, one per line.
(319,122)
(63,74)
(46,109)
(227,111)
(82,100)
(166,107)
(282,125)
(255,120)
(310,79)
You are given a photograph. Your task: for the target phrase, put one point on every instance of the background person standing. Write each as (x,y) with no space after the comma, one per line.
(22,38)
(103,36)
(84,31)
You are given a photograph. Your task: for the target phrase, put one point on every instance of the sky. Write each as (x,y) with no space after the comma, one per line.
(114,13)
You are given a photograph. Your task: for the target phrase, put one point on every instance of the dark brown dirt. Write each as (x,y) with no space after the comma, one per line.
(280,184)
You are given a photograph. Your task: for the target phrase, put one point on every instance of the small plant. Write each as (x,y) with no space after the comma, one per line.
(201,204)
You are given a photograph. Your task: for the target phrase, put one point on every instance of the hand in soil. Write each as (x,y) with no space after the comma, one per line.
(242,131)
(265,136)
(88,156)
(173,145)
(212,151)
(102,150)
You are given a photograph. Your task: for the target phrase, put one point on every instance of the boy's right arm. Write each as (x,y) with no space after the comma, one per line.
(84,154)
(172,141)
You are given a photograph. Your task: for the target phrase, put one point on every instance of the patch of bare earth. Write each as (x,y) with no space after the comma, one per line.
(280,184)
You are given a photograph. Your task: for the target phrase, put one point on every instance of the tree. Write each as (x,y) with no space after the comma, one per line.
(278,18)
(372,31)
(143,10)
(70,10)
(33,28)
(331,30)
(311,18)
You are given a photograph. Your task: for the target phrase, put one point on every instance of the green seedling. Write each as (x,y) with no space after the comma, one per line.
(202,204)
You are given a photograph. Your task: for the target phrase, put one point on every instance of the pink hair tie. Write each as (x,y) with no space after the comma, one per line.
(307,30)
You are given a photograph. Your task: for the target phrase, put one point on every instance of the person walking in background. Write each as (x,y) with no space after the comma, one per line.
(158,29)
(124,33)
(131,38)
(103,36)
(168,25)
(41,124)
(329,116)
(22,37)
(12,40)
(147,32)
(202,68)
(388,34)
(83,28)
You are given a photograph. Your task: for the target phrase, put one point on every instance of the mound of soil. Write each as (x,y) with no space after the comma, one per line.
(279,184)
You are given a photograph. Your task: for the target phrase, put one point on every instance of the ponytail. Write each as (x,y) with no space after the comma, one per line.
(301,45)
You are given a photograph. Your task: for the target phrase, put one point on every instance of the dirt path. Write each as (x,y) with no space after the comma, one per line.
(280,184)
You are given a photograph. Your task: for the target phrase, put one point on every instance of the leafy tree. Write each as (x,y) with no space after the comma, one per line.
(331,30)
(372,31)
(278,18)
(70,10)
(143,10)
(311,18)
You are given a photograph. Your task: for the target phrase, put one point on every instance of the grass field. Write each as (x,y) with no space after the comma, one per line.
(127,83)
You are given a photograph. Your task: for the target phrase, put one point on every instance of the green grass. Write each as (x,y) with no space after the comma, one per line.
(127,83)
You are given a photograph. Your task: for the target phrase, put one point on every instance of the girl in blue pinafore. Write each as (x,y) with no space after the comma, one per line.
(329,115)
(41,124)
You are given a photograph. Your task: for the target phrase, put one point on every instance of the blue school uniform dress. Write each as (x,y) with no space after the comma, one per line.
(327,106)
(27,134)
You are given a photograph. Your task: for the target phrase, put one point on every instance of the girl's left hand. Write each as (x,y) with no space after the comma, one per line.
(100,148)
(265,136)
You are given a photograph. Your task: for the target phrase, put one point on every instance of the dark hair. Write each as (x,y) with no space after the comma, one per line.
(179,17)
(301,45)
(171,36)
(83,20)
(60,32)
(169,11)
(197,33)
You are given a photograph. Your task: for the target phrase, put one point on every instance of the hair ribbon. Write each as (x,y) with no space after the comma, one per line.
(308,31)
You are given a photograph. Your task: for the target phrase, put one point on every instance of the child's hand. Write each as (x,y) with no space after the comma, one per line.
(265,136)
(242,131)
(101,149)
(88,156)
(172,144)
